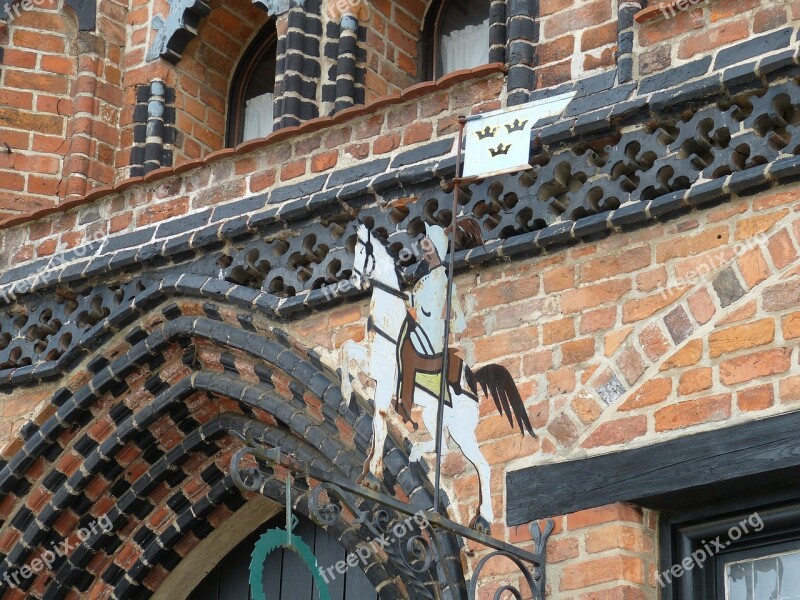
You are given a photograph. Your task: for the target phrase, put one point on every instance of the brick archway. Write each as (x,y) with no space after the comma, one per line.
(142,441)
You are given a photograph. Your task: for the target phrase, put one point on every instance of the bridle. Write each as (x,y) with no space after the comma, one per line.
(369,271)
(370,250)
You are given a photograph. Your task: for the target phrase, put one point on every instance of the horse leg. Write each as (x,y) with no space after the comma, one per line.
(355,353)
(461,422)
(429,418)
(385,385)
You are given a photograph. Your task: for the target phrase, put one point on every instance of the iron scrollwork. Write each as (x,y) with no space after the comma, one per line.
(410,538)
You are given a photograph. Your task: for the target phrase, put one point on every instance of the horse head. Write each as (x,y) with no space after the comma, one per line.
(372,261)
(364,261)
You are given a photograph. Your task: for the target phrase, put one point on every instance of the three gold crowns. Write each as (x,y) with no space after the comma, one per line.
(489,132)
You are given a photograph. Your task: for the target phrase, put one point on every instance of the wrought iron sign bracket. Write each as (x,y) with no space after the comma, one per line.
(415,554)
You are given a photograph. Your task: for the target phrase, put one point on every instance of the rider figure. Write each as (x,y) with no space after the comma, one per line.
(421,344)
(428,300)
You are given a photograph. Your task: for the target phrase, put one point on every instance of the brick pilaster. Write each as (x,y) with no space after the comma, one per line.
(154,129)
(523,34)
(497,31)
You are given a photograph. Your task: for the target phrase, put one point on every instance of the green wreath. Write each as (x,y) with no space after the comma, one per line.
(272,540)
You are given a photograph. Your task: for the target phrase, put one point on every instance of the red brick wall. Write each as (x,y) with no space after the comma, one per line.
(393,45)
(575,38)
(59,106)
(665,41)
(36,106)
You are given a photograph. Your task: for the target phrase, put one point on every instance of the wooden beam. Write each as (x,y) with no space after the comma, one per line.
(711,465)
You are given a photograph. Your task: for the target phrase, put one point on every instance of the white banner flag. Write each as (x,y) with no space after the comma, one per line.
(499,141)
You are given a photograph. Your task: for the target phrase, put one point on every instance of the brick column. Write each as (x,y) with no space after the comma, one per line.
(497,31)
(345,49)
(625,15)
(299,68)
(154,129)
(91,53)
(346,63)
(523,34)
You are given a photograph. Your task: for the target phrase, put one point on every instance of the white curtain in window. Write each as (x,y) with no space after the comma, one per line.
(465,48)
(258,117)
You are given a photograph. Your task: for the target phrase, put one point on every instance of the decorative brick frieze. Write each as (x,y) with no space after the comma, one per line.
(572,197)
(154,128)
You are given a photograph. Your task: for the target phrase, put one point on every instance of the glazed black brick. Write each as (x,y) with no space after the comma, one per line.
(22,518)
(425,152)
(126,240)
(85,445)
(298,190)
(695,90)
(357,172)
(674,76)
(752,48)
(776,62)
(739,75)
(183,224)
(583,104)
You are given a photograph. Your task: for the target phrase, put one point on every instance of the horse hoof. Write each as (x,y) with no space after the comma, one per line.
(482,525)
(371,482)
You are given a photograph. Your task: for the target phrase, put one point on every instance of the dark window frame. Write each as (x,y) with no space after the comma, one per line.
(264,42)
(430,39)
(433,22)
(684,532)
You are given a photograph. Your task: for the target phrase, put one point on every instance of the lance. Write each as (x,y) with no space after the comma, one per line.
(516,160)
(448,309)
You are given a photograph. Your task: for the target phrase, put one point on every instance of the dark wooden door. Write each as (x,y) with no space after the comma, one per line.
(286,576)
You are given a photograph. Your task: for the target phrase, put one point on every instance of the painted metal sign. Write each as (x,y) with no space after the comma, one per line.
(403,353)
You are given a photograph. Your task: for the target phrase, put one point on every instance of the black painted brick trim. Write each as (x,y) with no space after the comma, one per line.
(425,152)
(753,47)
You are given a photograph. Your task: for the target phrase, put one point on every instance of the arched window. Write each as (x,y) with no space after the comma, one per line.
(250,114)
(457,36)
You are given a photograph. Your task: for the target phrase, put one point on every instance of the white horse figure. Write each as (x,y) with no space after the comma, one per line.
(378,358)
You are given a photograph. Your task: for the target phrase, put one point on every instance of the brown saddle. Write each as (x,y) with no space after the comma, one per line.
(420,370)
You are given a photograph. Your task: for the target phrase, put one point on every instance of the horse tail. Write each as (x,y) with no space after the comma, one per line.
(496,381)
(468,233)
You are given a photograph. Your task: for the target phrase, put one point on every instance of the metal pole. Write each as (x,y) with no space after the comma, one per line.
(451,266)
